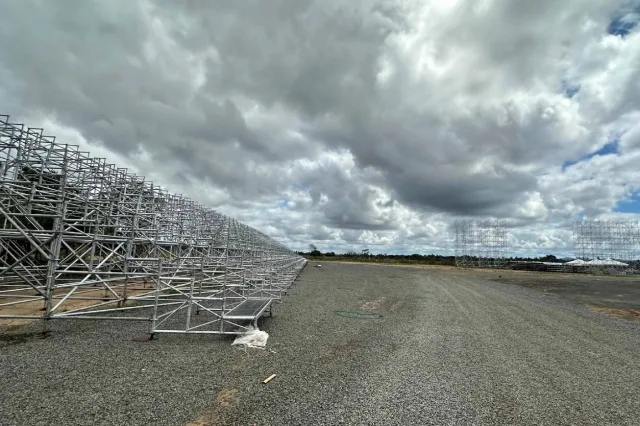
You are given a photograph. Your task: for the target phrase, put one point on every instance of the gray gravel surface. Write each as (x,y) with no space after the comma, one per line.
(438,349)
(608,291)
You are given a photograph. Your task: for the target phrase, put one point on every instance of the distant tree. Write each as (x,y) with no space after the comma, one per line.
(549,258)
(313,250)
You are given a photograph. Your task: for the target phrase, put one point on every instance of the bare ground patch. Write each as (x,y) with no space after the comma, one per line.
(624,313)
(339,352)
(373,305)
(226,402)
(36,307)
(382,303)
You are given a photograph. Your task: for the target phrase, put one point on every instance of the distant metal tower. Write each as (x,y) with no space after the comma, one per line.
(610,247)
(481,243)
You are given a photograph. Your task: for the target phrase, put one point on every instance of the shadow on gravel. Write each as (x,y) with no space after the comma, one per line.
(7,339)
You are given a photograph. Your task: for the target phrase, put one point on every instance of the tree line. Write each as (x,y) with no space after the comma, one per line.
(415,258)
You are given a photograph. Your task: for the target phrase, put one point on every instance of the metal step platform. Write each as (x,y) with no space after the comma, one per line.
(249,310)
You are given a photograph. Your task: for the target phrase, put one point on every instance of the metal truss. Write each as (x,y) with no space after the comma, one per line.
(84,239)
(481,243)
(607,247)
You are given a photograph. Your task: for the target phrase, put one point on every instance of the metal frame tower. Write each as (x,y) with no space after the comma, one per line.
(606,244)
(481,243)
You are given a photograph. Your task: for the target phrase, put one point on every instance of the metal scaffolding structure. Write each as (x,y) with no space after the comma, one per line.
(609,247)
(481,243)
(84,239)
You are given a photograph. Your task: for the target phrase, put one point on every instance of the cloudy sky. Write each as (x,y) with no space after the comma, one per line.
(349,124)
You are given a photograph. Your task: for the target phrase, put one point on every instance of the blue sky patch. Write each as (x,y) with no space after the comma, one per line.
(610,148)
(624,24)
(570,89)
(580,216)
(629,205)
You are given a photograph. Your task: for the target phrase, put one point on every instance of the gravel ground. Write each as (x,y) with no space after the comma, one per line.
(354,344)
(611,291)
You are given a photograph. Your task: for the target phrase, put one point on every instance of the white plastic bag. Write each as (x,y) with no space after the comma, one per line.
(253,338)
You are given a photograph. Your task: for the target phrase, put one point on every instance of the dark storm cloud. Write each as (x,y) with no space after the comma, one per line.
(316,57)
(441,107)
(347,202)
(116,77)
(458,193)
(108,72)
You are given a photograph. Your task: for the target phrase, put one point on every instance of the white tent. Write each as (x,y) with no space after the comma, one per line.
(576,262)
(606,262)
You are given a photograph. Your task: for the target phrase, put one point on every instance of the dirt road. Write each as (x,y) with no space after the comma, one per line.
(354,344)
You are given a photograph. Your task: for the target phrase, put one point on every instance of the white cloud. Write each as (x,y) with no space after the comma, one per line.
(351,124)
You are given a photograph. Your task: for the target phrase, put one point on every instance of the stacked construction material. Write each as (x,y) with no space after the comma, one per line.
(81,238)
